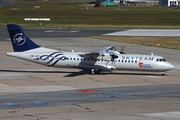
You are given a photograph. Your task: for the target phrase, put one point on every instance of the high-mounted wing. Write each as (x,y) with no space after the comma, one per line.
(101,54)
(105,49)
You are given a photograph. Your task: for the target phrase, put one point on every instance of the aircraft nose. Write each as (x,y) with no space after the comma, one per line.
(170,66)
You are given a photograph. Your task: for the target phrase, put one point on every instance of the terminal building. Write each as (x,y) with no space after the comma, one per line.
(169,3)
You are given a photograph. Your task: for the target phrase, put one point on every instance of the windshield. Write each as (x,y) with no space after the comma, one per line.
(160,60)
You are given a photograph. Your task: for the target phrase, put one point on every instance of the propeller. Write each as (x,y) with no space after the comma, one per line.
(113,56)
(122,49)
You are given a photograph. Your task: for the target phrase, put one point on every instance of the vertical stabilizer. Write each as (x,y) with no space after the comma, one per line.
(19,40)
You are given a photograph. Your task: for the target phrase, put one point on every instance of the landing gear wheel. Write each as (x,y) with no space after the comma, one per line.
(95,71)
(92,71)
(162,73)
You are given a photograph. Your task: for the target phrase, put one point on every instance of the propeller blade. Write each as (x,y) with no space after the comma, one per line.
(122,49)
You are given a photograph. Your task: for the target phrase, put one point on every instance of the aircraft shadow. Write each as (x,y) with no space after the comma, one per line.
(131,73)
(71,74)
(83,72)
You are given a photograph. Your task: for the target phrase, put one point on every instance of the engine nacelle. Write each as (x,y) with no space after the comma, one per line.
(104,56)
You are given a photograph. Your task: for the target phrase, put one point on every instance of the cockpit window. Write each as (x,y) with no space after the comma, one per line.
(160,59)
(163,59)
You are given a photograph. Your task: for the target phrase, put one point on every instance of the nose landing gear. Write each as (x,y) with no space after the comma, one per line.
(162,73)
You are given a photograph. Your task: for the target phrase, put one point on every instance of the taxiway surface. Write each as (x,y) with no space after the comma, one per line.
(30,91)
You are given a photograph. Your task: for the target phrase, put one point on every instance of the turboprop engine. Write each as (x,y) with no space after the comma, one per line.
(104,56)
(107,56)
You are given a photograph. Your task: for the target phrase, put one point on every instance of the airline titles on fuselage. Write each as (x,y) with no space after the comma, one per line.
(137,58)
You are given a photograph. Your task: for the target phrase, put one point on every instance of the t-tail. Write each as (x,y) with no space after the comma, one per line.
(20,41)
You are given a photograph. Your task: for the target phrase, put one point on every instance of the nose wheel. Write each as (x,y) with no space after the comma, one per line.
(162,73)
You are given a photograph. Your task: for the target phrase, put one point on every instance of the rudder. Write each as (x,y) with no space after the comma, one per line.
(19,40)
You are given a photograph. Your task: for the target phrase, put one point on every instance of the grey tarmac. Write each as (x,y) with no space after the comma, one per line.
(34,92)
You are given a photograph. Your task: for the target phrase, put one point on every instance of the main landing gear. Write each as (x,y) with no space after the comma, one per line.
(162,73)
(95,71)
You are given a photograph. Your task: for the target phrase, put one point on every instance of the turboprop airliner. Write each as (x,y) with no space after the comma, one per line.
(104,59)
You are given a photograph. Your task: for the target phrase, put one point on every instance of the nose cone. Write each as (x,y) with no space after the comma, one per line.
(170,66)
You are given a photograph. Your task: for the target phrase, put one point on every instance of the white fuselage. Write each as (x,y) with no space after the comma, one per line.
(128,62)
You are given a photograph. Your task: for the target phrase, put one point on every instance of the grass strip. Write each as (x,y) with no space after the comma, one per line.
(164,42)
(74,14)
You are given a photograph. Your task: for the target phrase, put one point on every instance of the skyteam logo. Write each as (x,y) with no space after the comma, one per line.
(19,39)
(53,58)
(142,65)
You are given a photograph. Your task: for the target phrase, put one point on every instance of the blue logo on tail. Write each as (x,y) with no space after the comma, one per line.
(19,39)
